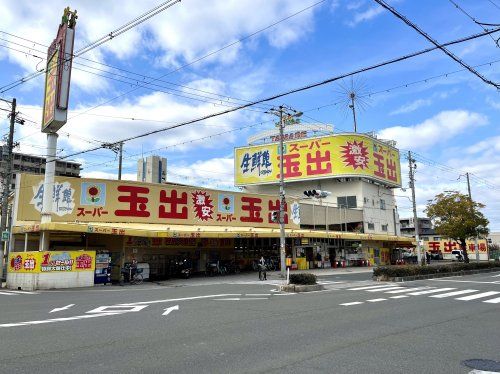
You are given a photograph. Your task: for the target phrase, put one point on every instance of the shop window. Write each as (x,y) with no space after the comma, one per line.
(371,226)
(384,227)
(347,202)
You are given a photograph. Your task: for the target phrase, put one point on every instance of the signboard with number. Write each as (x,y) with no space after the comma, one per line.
(334,156)
(5,236)
(51,262)
(97,200)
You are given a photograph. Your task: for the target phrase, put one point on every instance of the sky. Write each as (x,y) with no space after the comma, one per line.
(209,55)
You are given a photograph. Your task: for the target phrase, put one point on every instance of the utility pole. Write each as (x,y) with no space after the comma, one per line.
(413,166)
(120,157)
(280,112)
(282,198)
(476,247)
(7,180)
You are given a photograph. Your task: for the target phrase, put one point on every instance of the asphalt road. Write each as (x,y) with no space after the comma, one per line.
(240,325)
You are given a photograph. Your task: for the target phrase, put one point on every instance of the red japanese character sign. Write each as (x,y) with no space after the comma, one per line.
(355,154)
(202,205)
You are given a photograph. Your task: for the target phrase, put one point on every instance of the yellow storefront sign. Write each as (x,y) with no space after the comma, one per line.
(50,262)
(79,200)
(323,157)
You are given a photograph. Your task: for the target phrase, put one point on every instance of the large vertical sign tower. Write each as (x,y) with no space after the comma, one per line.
(55,106)
(58,74)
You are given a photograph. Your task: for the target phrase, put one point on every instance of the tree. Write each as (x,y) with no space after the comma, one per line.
(457,217)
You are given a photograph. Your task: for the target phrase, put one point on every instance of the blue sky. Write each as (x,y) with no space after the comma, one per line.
(451,122)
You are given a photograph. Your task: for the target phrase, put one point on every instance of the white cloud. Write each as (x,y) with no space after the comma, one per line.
(184,32)
(211,173)
(366,15)
(494,104)
(438,129)
(411,107)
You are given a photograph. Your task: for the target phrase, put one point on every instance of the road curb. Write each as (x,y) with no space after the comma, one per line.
(301,287)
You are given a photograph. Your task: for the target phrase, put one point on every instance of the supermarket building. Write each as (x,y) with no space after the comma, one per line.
(355,225)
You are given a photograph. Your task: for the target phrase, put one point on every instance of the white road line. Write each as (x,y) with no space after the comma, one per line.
(454,293)
(493,301)
(375,300)
(459,281)
(257,294)
(430,291)
(9,294)
(353,303)
(170,310)
(61,308)
(494,276)
(478,296)
(241,298)
(285,294)
(385,289)
(118,309)
(406,290)
(180,299)
(53,320)
(398,297)
(23,292)
(368,287)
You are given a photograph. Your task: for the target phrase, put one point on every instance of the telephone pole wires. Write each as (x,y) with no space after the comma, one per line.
(413,165)
(7,180)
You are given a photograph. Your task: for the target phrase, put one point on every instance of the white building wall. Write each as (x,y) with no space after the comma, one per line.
(368,196)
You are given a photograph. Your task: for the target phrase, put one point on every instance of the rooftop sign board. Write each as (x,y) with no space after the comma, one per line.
(333,156)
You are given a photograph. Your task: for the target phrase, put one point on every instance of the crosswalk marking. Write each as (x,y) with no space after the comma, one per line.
(369,287)
(9,294)
(454,293)
(493,301)
(406,290)
(384,289)
(398,297)
(430,291)
(478,296)
(353,303)
(375,300)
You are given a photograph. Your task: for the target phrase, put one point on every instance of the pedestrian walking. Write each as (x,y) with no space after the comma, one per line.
(262,269)
(428,257)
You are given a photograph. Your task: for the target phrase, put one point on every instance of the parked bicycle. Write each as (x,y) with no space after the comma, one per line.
(132,275)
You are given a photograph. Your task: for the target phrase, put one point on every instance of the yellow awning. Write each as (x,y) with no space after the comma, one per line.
(189,231)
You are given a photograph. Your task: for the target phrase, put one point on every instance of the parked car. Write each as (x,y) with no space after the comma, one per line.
(457,255)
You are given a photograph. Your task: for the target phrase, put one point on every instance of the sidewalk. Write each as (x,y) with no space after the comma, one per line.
(273,277)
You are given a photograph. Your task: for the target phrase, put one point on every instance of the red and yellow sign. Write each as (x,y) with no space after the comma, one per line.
(94,200)
(50,262)
(448,245)
(51,82)
(322,157)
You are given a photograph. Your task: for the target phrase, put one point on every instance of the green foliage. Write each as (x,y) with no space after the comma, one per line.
(302,278)
(457,217)
(412,270)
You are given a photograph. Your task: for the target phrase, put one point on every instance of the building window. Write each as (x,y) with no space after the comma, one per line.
(347,202)
(382,204)
(371,226)
(425,238)
(384,227)
(436,238)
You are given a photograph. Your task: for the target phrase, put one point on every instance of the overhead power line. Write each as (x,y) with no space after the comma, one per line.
(113,34)
(433,41)
(300,89)
(473,20)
